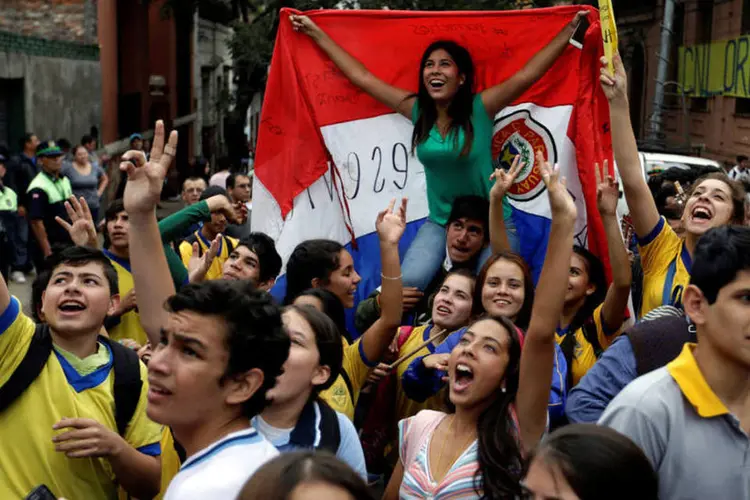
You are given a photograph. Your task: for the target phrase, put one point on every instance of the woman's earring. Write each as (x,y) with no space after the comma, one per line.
(503,390)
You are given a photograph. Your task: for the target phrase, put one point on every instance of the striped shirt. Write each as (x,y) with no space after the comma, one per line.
(221,470)
(418,483)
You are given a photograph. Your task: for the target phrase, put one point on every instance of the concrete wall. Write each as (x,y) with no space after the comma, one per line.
(62,96)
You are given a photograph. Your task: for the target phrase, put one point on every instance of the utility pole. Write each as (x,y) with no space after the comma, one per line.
(655,132)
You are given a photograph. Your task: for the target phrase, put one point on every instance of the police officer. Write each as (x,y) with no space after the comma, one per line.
(8,211)
(46,198)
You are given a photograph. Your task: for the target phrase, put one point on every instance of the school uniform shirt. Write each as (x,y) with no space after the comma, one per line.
(129,325)
(356,367)
(584,352)
(666,267)
(66,387)
(696,445)
(220,470)
(170,461)
(215,272)
(405,406)
(307,435)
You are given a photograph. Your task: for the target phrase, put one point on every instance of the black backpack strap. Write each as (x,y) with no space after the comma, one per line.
(29,369)
(190,240)
(181,453)
(128,383)
(349,386)
(330,433)
(229,243)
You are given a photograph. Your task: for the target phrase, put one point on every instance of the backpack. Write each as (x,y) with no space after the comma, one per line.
(125,363)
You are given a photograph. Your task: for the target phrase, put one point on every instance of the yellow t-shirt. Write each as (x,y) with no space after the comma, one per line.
(215,272)
(129,326)
(170,461)
(357,368)
(28,456)
(666,268)
(584,353)
(406,407)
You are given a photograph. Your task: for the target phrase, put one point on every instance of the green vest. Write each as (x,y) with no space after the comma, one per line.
(8,200)
(57,191)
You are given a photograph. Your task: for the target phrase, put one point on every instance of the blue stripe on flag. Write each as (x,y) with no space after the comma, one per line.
(533,232)
(367,264)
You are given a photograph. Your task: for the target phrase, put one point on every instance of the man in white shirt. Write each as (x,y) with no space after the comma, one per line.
(741,171)
(218,348)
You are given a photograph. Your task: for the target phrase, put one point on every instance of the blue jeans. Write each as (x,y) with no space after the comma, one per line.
(427,253)
(18,231)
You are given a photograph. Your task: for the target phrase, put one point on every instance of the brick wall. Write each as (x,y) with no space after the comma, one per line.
(64,20)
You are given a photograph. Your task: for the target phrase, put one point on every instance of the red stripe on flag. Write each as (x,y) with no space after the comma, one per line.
(589,131)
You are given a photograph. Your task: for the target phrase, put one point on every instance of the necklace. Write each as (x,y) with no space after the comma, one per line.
(453,457)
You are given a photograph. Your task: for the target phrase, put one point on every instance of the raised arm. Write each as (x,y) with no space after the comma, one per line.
(400,100)
(148,262)
(501,95)
(616,301)
(640,202)
(537,356)
(503,182)
(390,225)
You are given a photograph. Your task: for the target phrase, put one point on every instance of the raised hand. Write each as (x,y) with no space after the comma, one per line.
(391,223)
(221,204)
(304,24)
(81,227)
(615,86)
(146,178)
(607,190)
(505,179)
(580,15)
(560,201)
(127,303)
(199,265)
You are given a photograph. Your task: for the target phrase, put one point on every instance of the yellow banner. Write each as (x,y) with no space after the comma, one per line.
(609,30)
(717,68)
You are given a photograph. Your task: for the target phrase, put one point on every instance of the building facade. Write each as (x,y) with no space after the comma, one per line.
(707,107)
(50,75)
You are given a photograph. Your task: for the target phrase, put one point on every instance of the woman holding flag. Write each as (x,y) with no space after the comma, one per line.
(453,127)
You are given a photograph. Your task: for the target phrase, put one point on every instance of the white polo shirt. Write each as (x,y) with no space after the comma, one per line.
(222,469)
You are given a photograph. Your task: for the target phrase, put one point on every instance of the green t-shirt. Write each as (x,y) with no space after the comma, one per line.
(449,175)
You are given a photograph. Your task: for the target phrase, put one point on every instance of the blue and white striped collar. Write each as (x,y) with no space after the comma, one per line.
(244,437)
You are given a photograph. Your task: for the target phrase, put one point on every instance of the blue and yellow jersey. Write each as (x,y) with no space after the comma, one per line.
(357,368)
(405,406)
(666,268)
(28,456)
(585,353)
(226,246)
(170,461)
(129,326)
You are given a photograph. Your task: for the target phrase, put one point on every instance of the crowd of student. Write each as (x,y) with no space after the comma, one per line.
(468,380)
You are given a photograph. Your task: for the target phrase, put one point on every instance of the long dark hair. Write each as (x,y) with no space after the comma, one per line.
(598,462)
(310,259)
(597,277)
(332,307)
(461,106)
(524,315)
(498,453)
